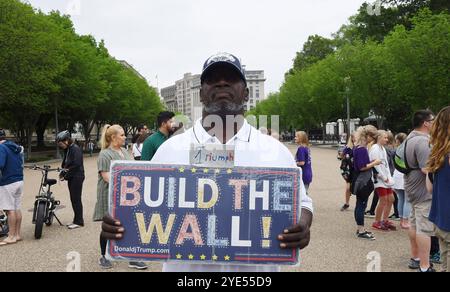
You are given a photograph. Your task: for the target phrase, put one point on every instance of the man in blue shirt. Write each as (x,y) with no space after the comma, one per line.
(11,186)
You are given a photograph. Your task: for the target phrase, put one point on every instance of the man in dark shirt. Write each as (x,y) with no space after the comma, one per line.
(166,127)
(73,172)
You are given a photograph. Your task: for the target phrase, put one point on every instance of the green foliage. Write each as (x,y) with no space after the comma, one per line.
(407,71)
(45,65)
(365,26)
(315,49)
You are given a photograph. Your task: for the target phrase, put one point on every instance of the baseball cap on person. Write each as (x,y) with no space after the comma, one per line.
(223,58)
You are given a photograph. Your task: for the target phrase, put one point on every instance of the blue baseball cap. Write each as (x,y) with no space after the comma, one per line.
(223,58)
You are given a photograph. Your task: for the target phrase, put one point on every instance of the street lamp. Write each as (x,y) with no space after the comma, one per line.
(347,81)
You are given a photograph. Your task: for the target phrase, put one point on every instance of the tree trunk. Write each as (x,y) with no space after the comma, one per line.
(41,126)
(324,131)
(99,126)
(29,134)
(88,125)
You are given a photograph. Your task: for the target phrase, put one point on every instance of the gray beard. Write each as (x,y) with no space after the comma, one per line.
(223,108)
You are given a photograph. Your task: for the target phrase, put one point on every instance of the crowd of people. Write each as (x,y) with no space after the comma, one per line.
(370,165)
(419,196)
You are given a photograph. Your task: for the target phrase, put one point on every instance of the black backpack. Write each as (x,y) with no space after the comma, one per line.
(347,168)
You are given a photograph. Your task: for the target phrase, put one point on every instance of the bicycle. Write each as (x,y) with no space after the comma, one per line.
(45,203)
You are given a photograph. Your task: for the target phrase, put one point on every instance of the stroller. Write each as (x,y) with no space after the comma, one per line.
(4,229)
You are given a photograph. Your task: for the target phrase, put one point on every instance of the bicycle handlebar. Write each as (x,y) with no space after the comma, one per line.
(42,168)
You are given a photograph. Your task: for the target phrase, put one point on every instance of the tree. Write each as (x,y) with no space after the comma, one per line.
(46,67)
(30,60)
(365,26)
(419,60)
(405,72)
(315,49)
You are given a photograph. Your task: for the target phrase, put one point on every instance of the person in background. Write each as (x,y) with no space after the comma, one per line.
(73,173)
(384,183)
(303,157)
(137,147)
(347,169)
(362,185)
(141,129)
(417,152)
(404,207)
(166,126)
(11,187)
(390,150)
(112,142)
(439,182)
(91,147)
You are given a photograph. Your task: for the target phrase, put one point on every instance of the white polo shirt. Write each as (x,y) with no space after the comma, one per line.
(252,149)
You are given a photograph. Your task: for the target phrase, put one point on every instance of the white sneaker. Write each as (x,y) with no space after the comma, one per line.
(73,226)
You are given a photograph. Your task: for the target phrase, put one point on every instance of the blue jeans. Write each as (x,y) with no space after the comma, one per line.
(404,206)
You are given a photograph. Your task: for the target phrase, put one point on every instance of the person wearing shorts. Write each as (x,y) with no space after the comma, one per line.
(11,186)
(383,184)
(417,153)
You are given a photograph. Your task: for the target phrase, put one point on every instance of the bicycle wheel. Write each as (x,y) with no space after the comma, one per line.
(40,218)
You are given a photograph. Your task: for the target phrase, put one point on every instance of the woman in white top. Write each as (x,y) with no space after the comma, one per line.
(383,183)
(404,206)
(137,147)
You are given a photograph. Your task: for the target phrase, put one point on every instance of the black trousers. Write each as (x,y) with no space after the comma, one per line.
(374,205)
(434,245)
(76,189)
(103,245)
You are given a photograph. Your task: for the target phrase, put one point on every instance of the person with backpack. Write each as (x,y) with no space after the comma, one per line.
(390,150)
(416,155)
(347,169)
(11,187)
(404,207)
(362,185)
(439,168)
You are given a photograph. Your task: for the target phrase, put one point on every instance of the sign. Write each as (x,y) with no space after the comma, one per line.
(203,215)
(212,155)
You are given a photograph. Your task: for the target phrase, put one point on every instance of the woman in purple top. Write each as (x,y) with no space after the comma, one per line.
(362,185)
(303,157)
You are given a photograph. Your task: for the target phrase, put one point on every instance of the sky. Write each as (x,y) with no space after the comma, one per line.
(164,39)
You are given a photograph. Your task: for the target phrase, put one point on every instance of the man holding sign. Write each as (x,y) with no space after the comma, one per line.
(224,94)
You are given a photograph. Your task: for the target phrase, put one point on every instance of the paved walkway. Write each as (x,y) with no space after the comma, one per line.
(333,246)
